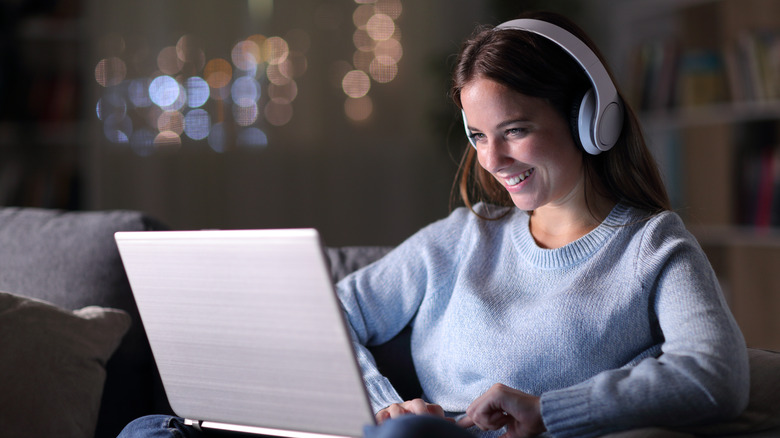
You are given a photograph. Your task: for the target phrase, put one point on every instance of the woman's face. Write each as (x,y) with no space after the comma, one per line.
(525,144)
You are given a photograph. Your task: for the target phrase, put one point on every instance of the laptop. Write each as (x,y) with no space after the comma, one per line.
(247,331)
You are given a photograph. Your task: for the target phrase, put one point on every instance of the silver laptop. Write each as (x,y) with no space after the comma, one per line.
(247,331)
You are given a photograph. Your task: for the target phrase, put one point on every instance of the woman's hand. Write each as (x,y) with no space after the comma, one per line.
(503,406)
(417,406)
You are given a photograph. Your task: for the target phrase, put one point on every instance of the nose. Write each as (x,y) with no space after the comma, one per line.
(492,154)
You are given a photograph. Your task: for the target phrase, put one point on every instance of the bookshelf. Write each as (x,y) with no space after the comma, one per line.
(704,75)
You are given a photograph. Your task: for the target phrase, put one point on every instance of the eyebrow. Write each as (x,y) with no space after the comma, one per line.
(504,124)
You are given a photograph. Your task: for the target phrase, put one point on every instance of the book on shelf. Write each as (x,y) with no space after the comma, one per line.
(759,191)
(753,60)
(653,78)
(665,74)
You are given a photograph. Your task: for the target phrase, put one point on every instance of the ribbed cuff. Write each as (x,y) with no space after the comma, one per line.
(382,394)
(566,413)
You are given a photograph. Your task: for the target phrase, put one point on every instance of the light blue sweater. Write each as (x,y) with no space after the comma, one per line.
(623,328)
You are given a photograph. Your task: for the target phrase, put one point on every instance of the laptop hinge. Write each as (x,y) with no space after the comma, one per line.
(267,431)
(195,424)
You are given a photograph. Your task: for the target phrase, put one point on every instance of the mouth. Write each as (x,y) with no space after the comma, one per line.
(515,180)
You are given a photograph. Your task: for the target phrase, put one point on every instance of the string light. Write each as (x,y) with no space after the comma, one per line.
(378,50)
(185,95)
(155,99)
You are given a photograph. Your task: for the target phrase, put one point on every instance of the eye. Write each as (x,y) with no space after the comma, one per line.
(477,137)
(516,132)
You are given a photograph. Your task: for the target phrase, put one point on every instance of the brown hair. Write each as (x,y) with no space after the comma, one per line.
(535,66)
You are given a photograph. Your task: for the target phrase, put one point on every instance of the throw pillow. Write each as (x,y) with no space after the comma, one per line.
(53,366)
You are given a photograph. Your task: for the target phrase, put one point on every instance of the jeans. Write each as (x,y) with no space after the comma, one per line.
(407,426)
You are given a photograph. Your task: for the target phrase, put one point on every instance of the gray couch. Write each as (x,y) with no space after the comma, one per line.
(69,259)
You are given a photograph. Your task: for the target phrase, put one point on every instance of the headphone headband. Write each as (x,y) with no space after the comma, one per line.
(606,118)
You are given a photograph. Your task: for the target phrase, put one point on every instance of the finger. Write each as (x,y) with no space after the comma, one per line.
(393,411)
(417,406)
(382,416)
(486,415)
(435,410)
(466,422)
(397,410)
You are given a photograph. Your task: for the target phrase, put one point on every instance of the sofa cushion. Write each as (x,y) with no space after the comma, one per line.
(763,410)
(70,259)
(347,259)
(53,366)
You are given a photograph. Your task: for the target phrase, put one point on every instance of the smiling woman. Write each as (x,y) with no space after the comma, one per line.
(537,67)
(527,146)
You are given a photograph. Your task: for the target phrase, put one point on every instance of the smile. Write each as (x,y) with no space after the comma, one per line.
(519,178)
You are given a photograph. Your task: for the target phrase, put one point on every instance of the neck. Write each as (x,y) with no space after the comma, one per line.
(557,225)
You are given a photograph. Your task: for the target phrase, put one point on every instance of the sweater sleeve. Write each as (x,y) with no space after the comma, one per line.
(381,299)
(702,371)
(376,311)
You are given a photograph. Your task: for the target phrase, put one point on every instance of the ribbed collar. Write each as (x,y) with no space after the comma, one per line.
(572,253)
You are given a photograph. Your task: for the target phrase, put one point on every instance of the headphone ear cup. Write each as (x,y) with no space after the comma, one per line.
(581,121)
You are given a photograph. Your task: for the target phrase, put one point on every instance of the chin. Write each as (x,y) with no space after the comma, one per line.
(524,201)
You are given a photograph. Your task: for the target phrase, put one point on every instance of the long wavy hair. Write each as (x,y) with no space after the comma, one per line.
(535,66)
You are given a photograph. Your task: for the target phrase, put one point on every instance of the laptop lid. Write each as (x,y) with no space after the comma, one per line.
(247,331)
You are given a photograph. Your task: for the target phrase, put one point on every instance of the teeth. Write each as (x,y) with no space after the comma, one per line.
(520,178)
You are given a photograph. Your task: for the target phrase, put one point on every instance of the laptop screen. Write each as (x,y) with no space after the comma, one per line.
(246,328)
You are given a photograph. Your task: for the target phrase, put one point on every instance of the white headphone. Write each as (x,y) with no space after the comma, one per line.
(599,118)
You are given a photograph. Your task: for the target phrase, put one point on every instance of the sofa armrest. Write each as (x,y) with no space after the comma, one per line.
(71,259)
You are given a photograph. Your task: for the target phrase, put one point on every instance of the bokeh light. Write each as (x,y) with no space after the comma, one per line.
(164,91)
(167,140)
(197,124)
(252,138)
(380,27)
(363,41)
(245,115)
(391,8)
(111,103)
(171,121)
(362,60)
(245,91)
(294,66)
(278,113)
(246,55)
(189,51)
(391,47)
(168,61)
(283,93)
(138,92)
(275,50)
(359,109)
(356,84)
(110,72)
(378,50)
(161,97)
(383,69)
(218,73)
(118,128)
(275,75)
(217,138)
(362,14)
(197,91)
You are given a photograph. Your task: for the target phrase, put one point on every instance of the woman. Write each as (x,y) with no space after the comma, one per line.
(565,297)
(570,299)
